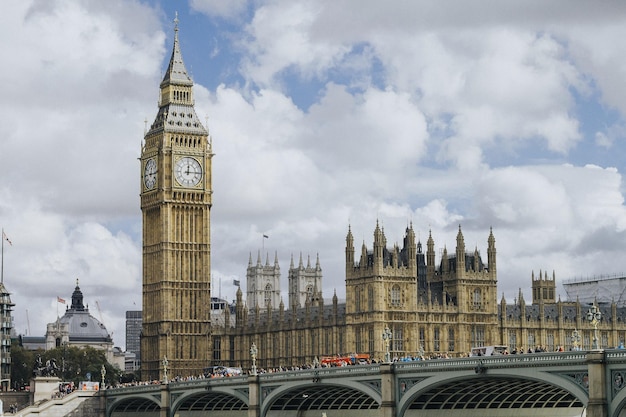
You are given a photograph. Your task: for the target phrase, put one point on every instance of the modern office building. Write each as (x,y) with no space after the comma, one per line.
(133,340)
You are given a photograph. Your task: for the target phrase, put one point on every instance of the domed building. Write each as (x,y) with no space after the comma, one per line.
(79,328)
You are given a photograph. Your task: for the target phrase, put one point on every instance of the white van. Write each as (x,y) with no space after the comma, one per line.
(489,350)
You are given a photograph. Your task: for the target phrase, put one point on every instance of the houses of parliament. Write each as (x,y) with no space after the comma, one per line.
(431,306)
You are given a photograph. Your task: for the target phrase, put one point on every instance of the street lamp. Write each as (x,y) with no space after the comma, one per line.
(103,372)
(575,339)
(386,339)
(594,316)
(253,352)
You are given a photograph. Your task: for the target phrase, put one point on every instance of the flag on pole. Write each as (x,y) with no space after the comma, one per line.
(5,237)
(236,282)
(266,236)
(60,300)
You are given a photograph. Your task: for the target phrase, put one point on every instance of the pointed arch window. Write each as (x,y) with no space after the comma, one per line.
(477,299)
(395,295)
(370,298)
(268,295)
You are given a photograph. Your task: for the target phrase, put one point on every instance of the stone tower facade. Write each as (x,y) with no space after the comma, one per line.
(305,282)
(425,306)
(381,292)
(544,288)
(176,205)
(263,283)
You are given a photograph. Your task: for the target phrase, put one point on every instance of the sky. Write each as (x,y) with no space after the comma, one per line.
(324,115)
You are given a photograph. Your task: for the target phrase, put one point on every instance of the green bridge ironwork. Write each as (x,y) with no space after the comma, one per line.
(552,384)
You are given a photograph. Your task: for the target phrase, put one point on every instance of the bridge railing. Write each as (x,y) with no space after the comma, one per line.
(351,370)
(527,359)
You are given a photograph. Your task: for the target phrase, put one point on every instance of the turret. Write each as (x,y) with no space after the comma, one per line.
(379,245)
(491,254)
(430,256)
(460,254)
(349,250)
(411,248)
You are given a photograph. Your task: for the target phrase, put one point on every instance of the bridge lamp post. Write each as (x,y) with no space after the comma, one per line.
(165,363)
(253,352)
(103,372)
(386,340)
(575,339)
(594,316)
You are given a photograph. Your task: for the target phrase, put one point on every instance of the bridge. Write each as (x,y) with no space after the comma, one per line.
(541,384)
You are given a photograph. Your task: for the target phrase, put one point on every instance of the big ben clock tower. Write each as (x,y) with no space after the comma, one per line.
(176,207)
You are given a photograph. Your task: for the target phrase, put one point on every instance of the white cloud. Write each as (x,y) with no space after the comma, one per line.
(231,9)
(405,112)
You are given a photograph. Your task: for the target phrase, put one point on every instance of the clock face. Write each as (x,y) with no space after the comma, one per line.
(188,171)
(150,174)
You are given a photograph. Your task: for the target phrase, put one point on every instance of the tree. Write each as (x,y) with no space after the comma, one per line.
(74,364)
(22,364)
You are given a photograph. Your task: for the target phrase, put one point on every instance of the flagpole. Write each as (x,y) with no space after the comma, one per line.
(2,261)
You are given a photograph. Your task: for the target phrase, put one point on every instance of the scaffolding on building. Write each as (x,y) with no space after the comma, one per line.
(602,289)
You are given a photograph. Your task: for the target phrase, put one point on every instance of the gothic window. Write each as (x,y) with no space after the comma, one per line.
(231,349)
(370,341)
(276,342)
(340,344)
(357,299)
(550,342)
(288,346)
(512,340)
(531,340)
(309,292)
(370,298)
(327,341)
(422,338)
(395,295)
(450,340)
(604,340)
(436,339)
(478,335)
(477,300)
(268,295)
(300,343)
(358,340)
(397,342)
(217,348)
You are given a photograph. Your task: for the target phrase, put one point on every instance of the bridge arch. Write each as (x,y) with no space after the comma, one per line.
(311,398)
(146,405)
(618,405)
(495,390)
(198,399)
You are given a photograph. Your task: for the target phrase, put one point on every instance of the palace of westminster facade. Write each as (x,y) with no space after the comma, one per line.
(430,306)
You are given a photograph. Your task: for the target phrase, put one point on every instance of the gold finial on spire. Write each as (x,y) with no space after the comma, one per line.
(176,22)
